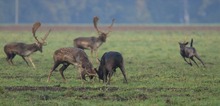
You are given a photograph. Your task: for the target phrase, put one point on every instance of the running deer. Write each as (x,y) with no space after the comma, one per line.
(25,50)
(73,56)
(93,43)
(189,52)
(108,64)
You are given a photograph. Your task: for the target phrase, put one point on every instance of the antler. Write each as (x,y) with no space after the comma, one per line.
(45,37)
(95,20)
(110,27)
(34,29)
(113,20)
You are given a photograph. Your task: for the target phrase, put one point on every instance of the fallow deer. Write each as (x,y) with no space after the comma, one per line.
(93,43)
(108,64)
(25,50)
(74,56)
(189,52)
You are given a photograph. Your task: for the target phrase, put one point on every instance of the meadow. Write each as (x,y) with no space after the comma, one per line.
(157,75)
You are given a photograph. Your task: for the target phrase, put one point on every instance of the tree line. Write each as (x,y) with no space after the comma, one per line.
(124,11)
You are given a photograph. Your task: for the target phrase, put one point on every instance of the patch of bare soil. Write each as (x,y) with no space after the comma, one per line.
(114,97)
(108,96)
(103,88)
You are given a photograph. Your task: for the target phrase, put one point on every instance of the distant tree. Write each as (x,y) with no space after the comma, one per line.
(7,11)
(186,15)
(131,11)
(142,14)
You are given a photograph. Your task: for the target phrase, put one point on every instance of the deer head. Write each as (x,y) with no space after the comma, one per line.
(43,40)
(183,44)
(102,35)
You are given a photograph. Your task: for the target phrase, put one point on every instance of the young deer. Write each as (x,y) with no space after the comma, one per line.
(25,50)
(93,43)
(108,64)
(74,56)
(189,52)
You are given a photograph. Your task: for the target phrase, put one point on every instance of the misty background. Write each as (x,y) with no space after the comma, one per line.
(124,11)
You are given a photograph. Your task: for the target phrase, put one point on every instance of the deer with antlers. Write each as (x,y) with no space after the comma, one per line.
(25,50)
(72,56)
(93,43)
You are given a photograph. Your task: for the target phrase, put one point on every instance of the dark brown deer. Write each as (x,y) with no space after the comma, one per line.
(74,56)
(93,43)
(108,64)
(25,50)
(189,52)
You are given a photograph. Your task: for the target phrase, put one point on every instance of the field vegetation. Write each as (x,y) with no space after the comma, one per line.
(157,74)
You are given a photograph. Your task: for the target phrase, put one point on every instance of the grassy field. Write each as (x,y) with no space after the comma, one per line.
(157,75)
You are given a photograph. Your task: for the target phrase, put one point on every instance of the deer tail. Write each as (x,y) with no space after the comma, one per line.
(191,44)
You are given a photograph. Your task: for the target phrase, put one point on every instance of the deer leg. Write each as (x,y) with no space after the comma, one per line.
(91,53)
(200,60)
(190,63)
(83,75)
(194,61)
(25,60)
(104,75)
(109,77)
(78,76)
(187,61)
(108,72)
(31,62)
(62,69)
(96,54)
(123,72)
(9,58)
(52,69)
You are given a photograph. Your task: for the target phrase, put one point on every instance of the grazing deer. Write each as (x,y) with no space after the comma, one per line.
(108,64)
(189,52)
(74,56)
(93,43)
(25,50)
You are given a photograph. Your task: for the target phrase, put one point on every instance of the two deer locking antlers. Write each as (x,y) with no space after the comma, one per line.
(25,50)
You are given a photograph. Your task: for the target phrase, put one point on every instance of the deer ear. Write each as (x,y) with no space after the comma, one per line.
(186,43)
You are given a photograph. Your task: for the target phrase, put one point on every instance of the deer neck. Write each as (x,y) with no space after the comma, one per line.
(102,38)
(86,63)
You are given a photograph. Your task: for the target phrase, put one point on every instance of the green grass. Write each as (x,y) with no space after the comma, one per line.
(157,74)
